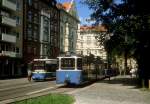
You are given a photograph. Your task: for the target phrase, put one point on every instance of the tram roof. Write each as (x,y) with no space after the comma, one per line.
(44,59)
(69,57)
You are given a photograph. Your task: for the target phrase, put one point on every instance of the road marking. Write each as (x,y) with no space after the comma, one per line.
(34,92)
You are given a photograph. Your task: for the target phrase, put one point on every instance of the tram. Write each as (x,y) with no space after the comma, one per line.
(44,68)
(69,70)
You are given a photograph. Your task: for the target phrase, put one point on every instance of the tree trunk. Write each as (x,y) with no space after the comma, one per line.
(125,61)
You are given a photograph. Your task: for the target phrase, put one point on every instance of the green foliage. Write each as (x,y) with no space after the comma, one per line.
(49,99)
(129,21)
(124,20)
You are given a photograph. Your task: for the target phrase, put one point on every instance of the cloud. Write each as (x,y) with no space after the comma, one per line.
(86,21)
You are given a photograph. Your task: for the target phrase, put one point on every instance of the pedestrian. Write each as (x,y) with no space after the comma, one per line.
(29,71)
(133,72)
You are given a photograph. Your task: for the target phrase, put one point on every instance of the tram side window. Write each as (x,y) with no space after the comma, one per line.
(79,63)
(51,67)
(68,63)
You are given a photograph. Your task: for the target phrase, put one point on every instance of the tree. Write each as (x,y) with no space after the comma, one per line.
(129,21)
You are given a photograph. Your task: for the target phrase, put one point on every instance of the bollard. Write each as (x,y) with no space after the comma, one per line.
(143,83)
(149,84)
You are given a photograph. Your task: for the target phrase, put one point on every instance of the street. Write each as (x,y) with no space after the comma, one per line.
(117,90)
(21,87)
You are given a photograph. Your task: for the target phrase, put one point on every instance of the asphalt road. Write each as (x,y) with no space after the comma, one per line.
(21,87)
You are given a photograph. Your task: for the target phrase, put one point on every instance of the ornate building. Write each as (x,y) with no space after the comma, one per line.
(68,26)
(87,42)
(41,25)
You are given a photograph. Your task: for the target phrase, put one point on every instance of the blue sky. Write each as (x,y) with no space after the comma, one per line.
(83,11)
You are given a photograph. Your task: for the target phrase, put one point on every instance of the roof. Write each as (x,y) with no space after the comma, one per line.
(66,6)
(94,28)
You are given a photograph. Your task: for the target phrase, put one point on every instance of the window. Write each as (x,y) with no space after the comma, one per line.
(45,37)
(81,44)
(36,18)
(88,40)
(29,31)
(18,5)
(18,35)
(88,51)
(67,63)
(79,63)
(2,47)
(95,52)
(35,33)
(35,5)
(17,50)
(34,51)
(18,21)
(7,48)
(30,16)
(29,50)
(30,2)
(45,50)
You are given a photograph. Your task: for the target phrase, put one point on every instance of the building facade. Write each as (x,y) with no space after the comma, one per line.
(88,44)
(49,31)
(41,25)
(11,25)
(68,27)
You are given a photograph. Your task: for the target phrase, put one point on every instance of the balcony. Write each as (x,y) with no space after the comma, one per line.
(8,21)
(8,53)
(8,38)
(8,4)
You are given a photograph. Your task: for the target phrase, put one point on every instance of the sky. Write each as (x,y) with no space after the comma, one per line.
(83,11)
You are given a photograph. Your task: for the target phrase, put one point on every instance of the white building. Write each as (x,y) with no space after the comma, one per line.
(87,42)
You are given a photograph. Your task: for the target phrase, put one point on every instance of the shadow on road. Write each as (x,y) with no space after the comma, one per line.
(82,85)
(125,81)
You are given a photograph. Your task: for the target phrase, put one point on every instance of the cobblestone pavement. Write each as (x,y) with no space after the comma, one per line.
(119,90)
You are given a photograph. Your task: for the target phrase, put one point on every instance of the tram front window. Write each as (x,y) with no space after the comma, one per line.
(38,65)
(68,64)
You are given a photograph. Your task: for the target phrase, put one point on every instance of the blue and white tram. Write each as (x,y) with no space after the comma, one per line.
(44,68)
(69,70)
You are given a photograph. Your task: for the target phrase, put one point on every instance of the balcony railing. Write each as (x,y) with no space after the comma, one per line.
(9,21)
(8,53)
(8,38)
(8,4)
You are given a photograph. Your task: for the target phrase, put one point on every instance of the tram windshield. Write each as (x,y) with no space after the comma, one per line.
(39,65)
(69,63)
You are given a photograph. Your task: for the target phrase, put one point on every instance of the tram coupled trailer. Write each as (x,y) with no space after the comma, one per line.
(44,69)
(69,70)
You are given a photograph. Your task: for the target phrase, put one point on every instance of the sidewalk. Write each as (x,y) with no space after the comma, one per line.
(119,90)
